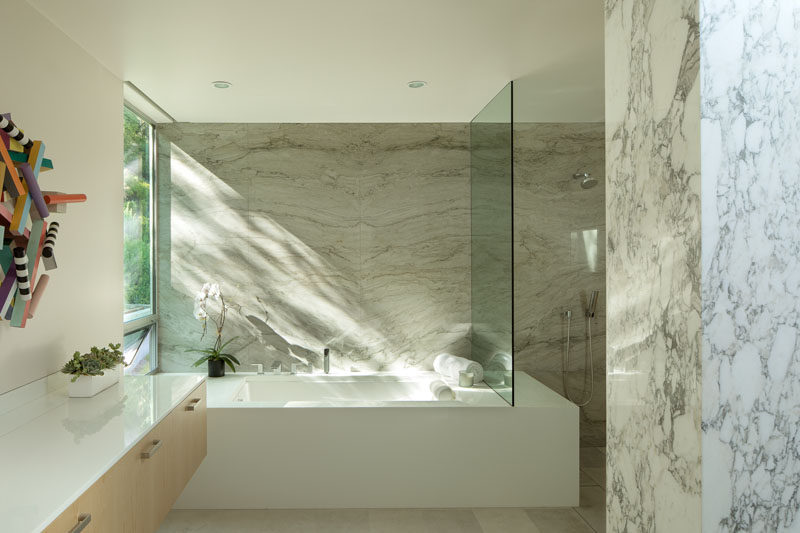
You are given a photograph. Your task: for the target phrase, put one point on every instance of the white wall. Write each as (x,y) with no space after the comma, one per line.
(59,94)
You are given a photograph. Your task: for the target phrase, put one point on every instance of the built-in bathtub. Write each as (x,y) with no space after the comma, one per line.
(354,390)
(365,441)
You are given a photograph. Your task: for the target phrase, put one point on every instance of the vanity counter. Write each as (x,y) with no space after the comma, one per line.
(53,448)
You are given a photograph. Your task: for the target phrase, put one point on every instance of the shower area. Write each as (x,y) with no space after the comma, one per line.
(538,251)
(559,253)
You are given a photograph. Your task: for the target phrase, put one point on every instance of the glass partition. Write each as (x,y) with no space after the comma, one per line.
(491,178)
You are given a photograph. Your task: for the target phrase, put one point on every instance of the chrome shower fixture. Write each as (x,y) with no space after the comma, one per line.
(592,307)
(587,180)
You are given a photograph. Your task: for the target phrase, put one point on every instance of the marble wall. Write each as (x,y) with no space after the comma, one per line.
(652,52)
(559,259)
(750,102)
(348,236)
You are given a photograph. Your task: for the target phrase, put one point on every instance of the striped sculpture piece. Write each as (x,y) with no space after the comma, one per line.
(27,236)
(48,258)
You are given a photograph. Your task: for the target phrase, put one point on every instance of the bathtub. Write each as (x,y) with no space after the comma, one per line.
(353,390)
(382,441)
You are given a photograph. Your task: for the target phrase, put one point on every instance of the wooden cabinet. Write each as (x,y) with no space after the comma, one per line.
(136,494)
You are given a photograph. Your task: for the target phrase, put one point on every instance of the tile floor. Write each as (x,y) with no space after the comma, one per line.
(588,518)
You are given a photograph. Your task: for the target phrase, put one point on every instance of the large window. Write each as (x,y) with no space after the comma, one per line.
(139,315)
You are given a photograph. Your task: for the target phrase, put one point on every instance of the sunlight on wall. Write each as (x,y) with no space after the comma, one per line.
(303,269)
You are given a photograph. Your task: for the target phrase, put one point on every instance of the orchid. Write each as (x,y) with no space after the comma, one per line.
(201,300)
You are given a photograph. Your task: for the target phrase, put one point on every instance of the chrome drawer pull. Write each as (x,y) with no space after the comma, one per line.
(193,404)
(83,521)
(153,449)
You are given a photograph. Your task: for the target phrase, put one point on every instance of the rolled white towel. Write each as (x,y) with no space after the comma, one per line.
(441,391)
(499,362)
(449,366)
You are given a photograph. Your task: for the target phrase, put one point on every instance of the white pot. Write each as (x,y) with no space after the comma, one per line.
(88,386)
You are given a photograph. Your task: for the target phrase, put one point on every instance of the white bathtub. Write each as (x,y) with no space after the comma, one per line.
(368,441)
(355,390)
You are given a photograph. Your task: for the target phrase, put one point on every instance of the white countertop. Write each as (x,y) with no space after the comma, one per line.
(54,448)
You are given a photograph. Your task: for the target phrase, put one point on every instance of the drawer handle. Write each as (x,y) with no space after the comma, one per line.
(153,449)
(193,404)
(83,521)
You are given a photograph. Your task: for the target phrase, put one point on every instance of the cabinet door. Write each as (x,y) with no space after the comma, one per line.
(153,477)
(106,505)
(191,424)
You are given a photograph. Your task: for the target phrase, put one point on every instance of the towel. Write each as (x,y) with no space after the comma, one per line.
(448,366)
(499,362)
(441,391)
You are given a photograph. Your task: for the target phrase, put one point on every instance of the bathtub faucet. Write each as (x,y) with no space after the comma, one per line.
(326,360)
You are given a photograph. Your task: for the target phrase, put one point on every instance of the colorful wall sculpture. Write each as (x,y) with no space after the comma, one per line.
(26,237)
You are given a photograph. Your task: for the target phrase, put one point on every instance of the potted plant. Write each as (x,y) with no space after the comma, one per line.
(94,371)
(215,357)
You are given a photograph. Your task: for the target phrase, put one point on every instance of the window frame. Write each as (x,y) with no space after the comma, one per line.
(150,320)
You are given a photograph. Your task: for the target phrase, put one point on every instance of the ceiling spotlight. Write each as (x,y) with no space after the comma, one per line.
(417,84)
(221,84)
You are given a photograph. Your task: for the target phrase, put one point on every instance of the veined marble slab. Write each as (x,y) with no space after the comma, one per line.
(348,236)
(750,72)
(653,224)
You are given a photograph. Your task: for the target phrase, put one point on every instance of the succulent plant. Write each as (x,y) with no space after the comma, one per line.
(94,362)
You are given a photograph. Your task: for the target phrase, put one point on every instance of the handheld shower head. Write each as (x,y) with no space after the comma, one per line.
(592,307)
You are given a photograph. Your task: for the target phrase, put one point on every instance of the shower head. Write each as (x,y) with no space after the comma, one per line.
(587,180)
(592,307)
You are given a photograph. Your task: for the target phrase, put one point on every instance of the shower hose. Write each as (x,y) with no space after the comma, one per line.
(588,367)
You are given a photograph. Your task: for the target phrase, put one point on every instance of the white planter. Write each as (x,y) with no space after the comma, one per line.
(88,386)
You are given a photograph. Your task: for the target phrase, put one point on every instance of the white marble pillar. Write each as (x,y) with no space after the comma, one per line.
(750,103)
(707,319)
(653,266)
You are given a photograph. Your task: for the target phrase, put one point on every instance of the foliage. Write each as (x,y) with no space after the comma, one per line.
(136,209)
(136,136)
(216,354)
(94,362)
(211,292)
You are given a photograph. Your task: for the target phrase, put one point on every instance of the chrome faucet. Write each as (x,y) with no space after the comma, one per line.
(326,360)
(259,368)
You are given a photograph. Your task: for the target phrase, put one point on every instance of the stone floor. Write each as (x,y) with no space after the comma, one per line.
(588,518)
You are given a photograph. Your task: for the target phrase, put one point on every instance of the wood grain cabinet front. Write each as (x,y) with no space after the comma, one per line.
(136,493)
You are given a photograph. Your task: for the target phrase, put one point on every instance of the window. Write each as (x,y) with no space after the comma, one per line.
(139,315)
(139,351)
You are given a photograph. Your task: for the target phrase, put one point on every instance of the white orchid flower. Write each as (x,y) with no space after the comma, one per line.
(200,313)
(213,291)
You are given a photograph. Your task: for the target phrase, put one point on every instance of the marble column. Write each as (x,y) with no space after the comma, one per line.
(653,266)
(750,77)
(712,321)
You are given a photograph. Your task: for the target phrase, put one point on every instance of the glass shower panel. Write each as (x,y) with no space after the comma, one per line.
(491,178)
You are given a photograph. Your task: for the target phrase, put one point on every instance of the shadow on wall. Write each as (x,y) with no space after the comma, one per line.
(212,239)
(289,254)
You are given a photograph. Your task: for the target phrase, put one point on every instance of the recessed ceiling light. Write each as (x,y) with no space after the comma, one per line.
(221,84)
(417,84)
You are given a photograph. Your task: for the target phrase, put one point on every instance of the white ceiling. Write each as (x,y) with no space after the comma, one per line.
(346,60)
